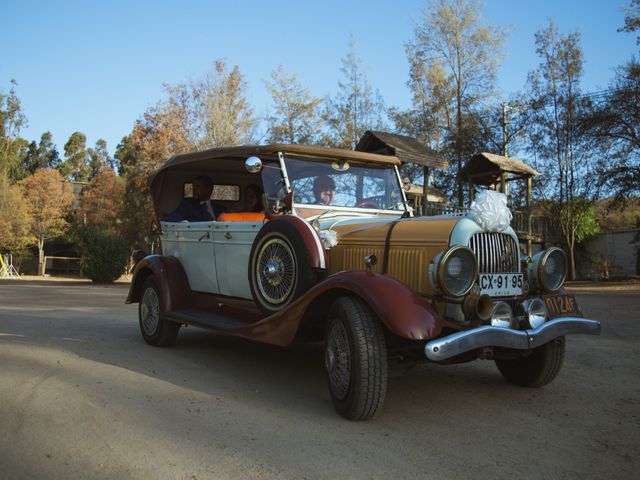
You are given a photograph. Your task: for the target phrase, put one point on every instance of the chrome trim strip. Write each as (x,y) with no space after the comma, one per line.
(461,342)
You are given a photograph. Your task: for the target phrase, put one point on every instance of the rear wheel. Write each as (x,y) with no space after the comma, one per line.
(355,359)
(155,330)
(537,369)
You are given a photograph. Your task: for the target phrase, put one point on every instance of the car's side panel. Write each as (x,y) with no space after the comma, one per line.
(233,241)
(192,243)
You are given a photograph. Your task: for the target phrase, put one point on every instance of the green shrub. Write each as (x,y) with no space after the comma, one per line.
(104,254)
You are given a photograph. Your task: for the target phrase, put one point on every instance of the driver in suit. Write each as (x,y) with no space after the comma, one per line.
(199,208)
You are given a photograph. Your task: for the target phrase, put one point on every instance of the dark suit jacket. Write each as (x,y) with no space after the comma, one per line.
(192,210)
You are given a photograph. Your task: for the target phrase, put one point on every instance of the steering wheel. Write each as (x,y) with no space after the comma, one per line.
(367,204)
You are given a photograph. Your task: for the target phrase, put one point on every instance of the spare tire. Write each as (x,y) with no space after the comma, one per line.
(279,266)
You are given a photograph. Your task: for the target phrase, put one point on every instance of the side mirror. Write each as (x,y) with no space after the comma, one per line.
(253,164)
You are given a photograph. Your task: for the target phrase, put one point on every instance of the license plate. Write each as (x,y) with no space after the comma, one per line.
(501,284)
(561,306)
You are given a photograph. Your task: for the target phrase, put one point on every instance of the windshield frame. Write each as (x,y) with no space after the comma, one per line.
(321,209)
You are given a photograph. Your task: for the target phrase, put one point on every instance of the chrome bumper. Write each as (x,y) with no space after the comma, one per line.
(461,342)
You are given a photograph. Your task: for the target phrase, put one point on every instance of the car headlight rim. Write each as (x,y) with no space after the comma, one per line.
(542,276)
(535,312)
(442,264)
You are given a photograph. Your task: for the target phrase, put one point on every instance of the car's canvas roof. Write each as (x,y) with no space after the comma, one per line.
(229,158)
(187,160)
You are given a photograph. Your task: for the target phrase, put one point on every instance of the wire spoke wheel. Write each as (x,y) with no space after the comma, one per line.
(150,311)
(276,271)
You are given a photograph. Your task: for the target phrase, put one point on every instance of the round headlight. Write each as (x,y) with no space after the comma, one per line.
(548,269)
(554,267)
(457,271)
(535,312)
(502,316)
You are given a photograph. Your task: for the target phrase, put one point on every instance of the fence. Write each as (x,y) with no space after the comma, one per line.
(6,267)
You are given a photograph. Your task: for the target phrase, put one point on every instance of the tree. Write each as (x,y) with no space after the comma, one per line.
(453,61)
(48,198)
(613,123)
(101,201)
(99,158)
(296,118)
(556,138)
(76,164)
(632,18)
(222,109)
(356,108)
(14,220)
(12,147)
(41,155)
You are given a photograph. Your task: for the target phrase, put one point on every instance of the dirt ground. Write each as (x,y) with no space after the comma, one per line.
(83,397)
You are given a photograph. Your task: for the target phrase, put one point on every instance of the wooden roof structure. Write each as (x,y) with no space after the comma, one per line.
(406,149)
(488,168)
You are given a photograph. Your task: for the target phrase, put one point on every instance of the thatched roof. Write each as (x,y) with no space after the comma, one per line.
(486,168)
(406,149)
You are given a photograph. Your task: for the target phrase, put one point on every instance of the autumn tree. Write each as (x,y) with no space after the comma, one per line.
(14,220)
(557,140)
(222,111)
(48,199)
(296,117)
(164,130)
(12,147)
(76,164)
(101,201)
(355,108)
(453,61)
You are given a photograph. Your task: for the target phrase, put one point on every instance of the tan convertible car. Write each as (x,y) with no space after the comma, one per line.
(333,253)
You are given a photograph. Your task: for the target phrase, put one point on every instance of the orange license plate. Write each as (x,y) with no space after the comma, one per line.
(561,306)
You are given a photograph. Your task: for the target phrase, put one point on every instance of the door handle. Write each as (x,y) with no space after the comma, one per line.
(228,236)
(206,235)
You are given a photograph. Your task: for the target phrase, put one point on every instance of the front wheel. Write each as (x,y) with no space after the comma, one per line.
(355,359)
(537,369)
(155,330)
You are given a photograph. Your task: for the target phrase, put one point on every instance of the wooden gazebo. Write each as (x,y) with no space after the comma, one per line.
(496,171)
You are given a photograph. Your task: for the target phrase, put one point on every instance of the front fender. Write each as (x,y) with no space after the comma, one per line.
(170,278)
(402,311)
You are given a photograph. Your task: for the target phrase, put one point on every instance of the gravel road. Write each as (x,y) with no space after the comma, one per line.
(83,397)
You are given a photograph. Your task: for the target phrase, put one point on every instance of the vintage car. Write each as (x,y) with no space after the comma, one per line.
(351,267)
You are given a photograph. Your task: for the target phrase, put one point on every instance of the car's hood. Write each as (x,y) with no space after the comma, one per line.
(408,232)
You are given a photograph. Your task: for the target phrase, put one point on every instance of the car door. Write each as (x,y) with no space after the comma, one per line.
(233,241)
(192,243)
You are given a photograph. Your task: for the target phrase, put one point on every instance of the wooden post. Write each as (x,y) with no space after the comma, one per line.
(425,186)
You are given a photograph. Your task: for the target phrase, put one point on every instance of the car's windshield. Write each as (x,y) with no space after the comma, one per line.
(344,184)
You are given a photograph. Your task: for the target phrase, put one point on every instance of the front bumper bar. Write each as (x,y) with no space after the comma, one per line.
(461,342)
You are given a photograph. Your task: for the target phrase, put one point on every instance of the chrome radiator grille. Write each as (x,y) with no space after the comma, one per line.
(496,252)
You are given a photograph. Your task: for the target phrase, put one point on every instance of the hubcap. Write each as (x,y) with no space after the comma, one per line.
(337,360)
(149,311)
(275,271)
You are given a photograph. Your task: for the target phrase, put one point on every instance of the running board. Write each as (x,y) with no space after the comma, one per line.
(200,318)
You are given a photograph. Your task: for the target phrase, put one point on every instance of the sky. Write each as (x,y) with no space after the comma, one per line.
(95,67)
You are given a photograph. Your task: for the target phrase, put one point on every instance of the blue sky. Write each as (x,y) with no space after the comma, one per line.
(97,66)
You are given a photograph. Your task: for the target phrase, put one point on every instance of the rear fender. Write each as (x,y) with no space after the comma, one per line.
(170,278)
